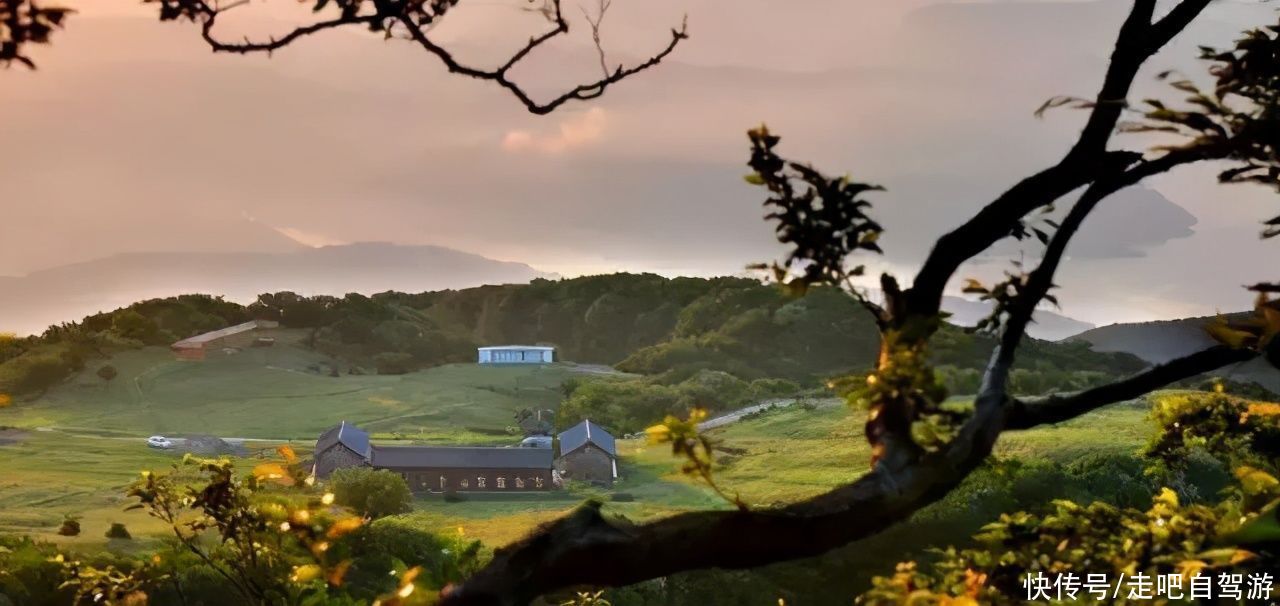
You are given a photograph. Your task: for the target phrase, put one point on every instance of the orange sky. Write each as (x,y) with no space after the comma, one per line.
(133,137)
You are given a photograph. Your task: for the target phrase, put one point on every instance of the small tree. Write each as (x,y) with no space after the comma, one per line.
(374,493)
(108,373)
(394,363)
(118,531)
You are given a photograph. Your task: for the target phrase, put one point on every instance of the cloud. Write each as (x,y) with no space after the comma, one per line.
(576,131)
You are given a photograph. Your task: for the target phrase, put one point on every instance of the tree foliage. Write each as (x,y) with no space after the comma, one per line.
(373,493)
(26,22)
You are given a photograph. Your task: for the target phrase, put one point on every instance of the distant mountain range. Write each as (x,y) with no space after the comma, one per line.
(1048,326)
(1158,342)
(30,303)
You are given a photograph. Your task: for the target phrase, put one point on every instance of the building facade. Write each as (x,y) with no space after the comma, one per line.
(467,469)
(437,468)
(588,453)
(516,354)
(238,336)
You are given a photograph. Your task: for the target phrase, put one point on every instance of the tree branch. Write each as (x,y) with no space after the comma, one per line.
(581,92)
(417,19)
(586,548)
(1137,41)
(1030,412)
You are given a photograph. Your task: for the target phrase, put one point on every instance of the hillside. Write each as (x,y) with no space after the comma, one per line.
(30,303)
(1158,342)
(715,343)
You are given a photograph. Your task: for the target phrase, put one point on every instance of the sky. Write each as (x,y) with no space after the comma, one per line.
(133,137)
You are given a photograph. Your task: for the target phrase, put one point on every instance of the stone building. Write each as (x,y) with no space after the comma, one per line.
(588,454)
(437,468)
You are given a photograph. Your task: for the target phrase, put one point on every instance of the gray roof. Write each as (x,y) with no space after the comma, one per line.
(348,435)
(469,457)
(200,340)
(585,433)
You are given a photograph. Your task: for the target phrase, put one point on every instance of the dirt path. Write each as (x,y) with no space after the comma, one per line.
(735,416)
(80,433)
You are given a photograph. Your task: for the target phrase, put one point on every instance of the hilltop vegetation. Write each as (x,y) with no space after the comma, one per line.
(715,343)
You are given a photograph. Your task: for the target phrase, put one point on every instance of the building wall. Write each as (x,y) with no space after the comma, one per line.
(516,356)
(189,353)
(336,457)
(587,464)
(476,480)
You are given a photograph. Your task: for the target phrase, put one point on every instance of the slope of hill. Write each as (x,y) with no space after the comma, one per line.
(669,329)
(30,303)
(1158,342)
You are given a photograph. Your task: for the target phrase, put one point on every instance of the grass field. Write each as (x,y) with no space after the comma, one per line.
(270,393)
(788,454)
(76,448)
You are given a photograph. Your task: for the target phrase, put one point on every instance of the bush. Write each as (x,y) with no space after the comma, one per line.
(108,373)
(394,363)
(38,370)
(374,493)
(70,527)
(118,531)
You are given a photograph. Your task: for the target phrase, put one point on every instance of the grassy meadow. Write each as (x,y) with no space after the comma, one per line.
(73,451)
(276,393)
(785,455)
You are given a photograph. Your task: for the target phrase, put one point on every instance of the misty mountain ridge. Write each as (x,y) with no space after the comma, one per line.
(1163,340)
(1046,325)
(30,303)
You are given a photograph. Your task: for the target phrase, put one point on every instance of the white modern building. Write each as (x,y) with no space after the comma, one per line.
(517,354)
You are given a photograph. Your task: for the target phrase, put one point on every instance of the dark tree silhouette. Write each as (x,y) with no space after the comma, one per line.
(27,22)
(920,450)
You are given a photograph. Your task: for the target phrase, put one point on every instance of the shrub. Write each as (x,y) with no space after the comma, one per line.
(374,493)
(108,372)
(118,531)
(394,363)
(70,527)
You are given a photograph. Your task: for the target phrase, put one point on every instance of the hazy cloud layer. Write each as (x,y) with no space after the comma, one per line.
(134,138)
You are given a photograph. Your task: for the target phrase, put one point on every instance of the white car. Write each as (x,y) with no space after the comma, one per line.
(159,442)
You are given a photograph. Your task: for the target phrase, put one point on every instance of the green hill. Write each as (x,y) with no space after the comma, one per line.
(714,343)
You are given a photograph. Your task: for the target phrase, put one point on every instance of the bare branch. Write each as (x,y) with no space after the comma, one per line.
(417,19)
(581,92)
(603,7)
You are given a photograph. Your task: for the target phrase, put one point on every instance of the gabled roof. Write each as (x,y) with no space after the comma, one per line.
(350,436)
(454,457)
(585,433)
